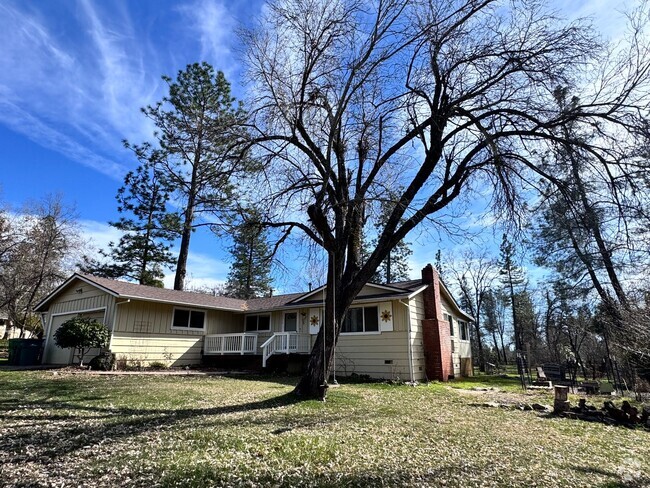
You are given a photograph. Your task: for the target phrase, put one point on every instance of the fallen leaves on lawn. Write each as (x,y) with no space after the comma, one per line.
(176,431)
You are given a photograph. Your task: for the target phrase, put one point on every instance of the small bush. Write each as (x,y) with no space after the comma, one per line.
(157,365)
(103,362)
(82,335)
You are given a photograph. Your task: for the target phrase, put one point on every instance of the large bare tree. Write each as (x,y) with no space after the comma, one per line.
(37,251)
(351,97)
(474,273)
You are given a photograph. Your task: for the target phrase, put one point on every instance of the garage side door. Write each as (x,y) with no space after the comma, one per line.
(57,355)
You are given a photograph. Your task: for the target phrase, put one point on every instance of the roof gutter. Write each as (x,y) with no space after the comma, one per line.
(419,290)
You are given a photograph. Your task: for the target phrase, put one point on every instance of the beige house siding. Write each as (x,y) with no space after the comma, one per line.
(72,301)
(370,290)
(378,355)
(143,333)
(417,340)
(367,290)
(382,355)
(173,350)
(277,324)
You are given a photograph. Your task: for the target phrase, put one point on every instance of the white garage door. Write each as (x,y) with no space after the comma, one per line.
(56,355)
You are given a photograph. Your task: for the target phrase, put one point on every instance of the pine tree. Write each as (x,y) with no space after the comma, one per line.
(511,276)
(527,323)
(250,272)
(144,249)
(495,302)
(198,125)
(440,267)
(396,265)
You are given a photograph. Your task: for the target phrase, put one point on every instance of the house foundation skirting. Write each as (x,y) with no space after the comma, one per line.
(278,363)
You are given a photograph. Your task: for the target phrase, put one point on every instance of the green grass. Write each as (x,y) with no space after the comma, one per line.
(82,430)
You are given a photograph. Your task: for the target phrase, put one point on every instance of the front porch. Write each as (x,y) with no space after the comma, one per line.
(265,345)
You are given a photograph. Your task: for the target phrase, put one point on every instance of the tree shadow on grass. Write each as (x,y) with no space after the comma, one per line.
(633,480)
(79,431)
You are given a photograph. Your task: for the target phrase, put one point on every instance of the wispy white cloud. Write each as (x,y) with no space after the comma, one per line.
(78,89)
(25,123)
(216,29)
(97,235)
(607,17)
(79,96)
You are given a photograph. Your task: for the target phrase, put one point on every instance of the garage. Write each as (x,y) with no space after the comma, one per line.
(56,355)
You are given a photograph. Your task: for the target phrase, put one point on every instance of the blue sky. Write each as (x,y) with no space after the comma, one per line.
(74,73)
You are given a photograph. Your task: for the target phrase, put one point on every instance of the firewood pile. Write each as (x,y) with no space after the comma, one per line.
(610,414)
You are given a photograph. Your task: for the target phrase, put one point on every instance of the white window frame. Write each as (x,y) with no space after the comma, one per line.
(363,314)
(257,331)
(284,320)
(205,316)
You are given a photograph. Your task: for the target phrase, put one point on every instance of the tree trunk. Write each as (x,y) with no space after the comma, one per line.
(181,264)
(503,349)
(313,383)
(496,346)
(479,341)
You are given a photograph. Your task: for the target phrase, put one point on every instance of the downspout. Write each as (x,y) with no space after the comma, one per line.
(408,340)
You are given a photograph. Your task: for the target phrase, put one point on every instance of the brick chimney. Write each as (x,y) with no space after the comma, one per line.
(435,330)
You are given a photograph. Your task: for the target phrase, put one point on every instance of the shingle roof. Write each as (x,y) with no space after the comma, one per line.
(266,303)
(127,290)
(133,290)
(410,285)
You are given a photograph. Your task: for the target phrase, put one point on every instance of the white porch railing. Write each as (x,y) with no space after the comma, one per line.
(285,343)
(230,344)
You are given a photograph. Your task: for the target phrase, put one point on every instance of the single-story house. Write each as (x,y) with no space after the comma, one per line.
(7,328)
(412,330)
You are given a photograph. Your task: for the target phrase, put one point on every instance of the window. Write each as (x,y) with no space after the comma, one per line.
(464,331)
(361,319)
(291,322)
(188,319)
(450,319)
(258,323)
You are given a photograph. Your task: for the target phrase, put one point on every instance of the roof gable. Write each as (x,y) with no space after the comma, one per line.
(451,300)
(123,289)
(381,291)
(41,306)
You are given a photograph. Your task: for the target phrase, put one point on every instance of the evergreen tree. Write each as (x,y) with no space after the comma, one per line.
(512,276)
(144,249)
(395,267)
(250,272)
(198,125)
(494,323)
(527,323)
(440,267)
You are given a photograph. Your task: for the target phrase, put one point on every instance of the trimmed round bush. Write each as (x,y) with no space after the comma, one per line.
(82,335)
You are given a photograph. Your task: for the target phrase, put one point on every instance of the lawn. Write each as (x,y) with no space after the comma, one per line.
(82,430)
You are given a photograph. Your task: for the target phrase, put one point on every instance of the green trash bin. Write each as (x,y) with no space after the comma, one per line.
(30,352)
(14,351)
